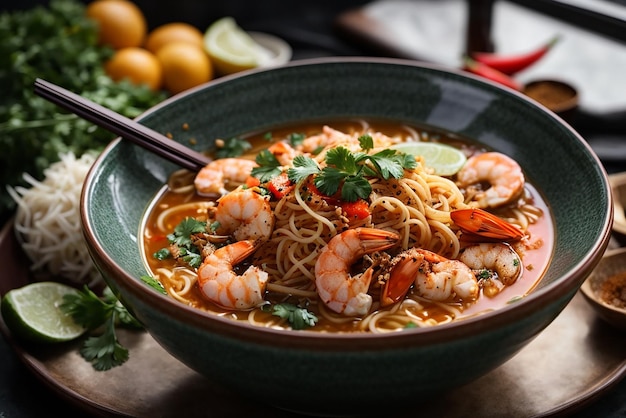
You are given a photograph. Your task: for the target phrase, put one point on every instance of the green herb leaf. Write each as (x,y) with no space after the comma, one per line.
(302,168)
(185,229)
(233,147)
(296,139)
(268,168)
(298,318)
(105,352)
(93,312)
(153,283)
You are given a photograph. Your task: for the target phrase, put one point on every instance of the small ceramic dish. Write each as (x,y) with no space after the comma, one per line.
(618,188)
(557,95)
(605,288)
(276,51)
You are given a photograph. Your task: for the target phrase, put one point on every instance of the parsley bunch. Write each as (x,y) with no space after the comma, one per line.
(348,171)
(87,309)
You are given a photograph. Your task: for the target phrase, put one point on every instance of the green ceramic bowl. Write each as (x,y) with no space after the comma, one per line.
(328,374)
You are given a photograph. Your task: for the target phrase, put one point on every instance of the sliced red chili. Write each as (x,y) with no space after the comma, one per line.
(356,210)
(280,186)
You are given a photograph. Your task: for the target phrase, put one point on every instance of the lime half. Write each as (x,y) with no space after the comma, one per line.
(444,159)
(230,48)
(33,312)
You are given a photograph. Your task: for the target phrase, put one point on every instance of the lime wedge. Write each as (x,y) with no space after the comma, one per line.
(32,312)
(230,48)
(444,159)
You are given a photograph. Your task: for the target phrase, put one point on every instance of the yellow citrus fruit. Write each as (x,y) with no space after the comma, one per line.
(120,23)
(137,65)
(173,32)
(184,66)
(230,48)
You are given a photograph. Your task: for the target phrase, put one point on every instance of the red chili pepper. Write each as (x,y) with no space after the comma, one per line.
(280,186)
(511,64)
(491,73)
(356,210)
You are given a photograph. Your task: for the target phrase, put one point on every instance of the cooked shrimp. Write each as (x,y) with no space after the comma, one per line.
(212,178)
(503,174)
(221,285)
(328,137)
(245,214)
(499,258)
(435,277)
(283,152)
(340,291)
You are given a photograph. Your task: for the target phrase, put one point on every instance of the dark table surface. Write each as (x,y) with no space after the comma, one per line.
(309,27)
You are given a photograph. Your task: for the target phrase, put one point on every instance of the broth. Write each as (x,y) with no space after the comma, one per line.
(535,251)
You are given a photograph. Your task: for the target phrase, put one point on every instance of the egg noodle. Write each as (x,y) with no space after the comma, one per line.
(416,206)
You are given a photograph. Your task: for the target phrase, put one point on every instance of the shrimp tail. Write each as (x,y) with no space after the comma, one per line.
(402,273)
(486,225)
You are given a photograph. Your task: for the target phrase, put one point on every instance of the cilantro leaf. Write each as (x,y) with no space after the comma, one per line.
(302,168)
(87,309)
(105,352)
(153,283)
(184,230)
(296,139)
(366,142)
(268,168)
(233,147)
(298,318)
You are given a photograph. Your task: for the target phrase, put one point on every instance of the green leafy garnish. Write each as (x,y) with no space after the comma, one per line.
(296,139)
(232,147)
(298,318)
(268,166)
(347,171)
(153,283)
(87,309)
(184,230)
(181,238)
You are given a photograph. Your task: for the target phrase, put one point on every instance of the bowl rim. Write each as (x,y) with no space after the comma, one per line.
(529,305)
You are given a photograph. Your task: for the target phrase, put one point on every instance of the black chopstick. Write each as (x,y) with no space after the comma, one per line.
(122,126)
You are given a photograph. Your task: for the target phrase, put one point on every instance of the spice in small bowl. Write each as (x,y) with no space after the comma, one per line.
(558,96)
(605,288)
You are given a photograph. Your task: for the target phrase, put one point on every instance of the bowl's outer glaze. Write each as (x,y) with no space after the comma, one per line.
(331,374)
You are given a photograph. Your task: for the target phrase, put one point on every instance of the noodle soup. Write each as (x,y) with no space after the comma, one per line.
(413,210)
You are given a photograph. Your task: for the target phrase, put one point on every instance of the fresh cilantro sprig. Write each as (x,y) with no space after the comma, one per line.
(268,166)
(181,237)
(92,312)
(348,171)
(298,318)
(232,147)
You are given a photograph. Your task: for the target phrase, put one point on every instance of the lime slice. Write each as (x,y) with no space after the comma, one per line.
(32,312)
(230,47)
(444,159)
